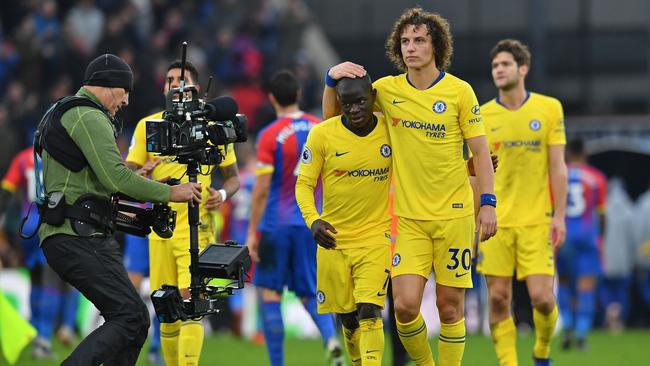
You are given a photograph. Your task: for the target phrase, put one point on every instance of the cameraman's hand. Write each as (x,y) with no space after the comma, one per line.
(319,230)
(186,192)
(253,244)
(214,200)
(148,167)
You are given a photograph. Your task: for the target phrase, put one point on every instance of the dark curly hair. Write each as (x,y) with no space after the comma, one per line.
(437,27)
(518,50)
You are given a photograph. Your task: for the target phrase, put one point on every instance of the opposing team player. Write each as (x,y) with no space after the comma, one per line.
(429,113)
(526,131)
(352,156)
(285,252)
(578,261)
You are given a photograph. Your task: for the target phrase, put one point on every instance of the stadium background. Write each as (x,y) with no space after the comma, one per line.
(593,55)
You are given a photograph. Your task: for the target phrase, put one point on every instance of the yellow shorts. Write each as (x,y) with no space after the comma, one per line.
(346,277)
(444,246)
(527,249)
(169,261)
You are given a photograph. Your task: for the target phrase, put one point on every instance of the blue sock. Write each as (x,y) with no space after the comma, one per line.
(273,332)
(585,313)
(69,305)
(155,340)
(35,306)
(565,298)
(324,322)
(50,305)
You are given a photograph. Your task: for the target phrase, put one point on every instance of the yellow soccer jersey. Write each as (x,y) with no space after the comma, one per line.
(138,154)
(427,129)
(355,173)
(521,138)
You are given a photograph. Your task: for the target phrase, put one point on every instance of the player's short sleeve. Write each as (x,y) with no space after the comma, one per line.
(265,153)
(14,177)
(313,155)
(469,113)
(556,132)
(138,150)
(228,153)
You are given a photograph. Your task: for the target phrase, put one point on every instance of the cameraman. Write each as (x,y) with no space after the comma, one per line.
(83,252)
(181,342)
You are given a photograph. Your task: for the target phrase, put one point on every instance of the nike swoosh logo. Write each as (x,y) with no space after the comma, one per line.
(341,154)
(380,294)
(461,275)
(372,350)
(395,101)
(494,129)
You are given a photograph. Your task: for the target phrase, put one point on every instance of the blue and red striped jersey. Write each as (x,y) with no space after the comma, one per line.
(587,191)
(279,148)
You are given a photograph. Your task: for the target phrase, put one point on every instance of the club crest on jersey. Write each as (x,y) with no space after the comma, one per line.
(385,150)
(535,125)
(306,156)
(320,297)
(439,107)
(476,109)
(396,259)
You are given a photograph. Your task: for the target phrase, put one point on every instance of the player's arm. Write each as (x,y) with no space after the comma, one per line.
(558,177)
(261,188)
(230,186)
(5,197)
(347,69)
(602,203)
(259,198)
(311,165)
(138,159)
(486,220)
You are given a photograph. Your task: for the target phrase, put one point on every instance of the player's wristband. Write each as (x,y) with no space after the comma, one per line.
(223,194)
(488,199)
(329,81)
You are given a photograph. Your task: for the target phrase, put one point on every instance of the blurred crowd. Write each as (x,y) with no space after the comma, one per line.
(46,44)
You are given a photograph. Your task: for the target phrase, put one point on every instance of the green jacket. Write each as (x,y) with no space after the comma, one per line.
(105,173)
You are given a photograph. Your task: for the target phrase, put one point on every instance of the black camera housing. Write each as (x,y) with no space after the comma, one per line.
(192,128)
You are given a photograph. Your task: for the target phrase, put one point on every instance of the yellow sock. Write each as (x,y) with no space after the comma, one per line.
(371,342)
(352,340)
(169,333)
(504,335)
(414,338)
(544,328)
(190,343)
(451,343)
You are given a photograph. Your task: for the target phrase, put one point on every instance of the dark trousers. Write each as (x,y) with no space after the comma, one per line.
(94,266)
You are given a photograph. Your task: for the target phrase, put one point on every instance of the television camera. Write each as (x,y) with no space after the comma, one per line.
(191,131)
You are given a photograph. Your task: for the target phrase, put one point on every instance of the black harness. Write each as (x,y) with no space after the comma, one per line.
(89,215)
(52,137)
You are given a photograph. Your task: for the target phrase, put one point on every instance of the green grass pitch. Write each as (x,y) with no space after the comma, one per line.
(631,348)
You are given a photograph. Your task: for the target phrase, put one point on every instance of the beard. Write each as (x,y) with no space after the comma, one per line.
(509,85)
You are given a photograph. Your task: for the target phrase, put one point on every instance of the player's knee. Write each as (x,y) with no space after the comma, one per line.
(449,310)
(368,311)
(499,302)
(406,310)
(543,301)
(350,320)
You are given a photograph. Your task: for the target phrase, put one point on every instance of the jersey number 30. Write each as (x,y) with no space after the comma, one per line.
(465,259)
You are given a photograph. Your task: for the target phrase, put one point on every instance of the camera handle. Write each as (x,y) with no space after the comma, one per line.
(194,221)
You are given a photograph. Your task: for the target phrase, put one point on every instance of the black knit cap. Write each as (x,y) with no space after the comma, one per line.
(109,71)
